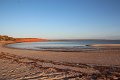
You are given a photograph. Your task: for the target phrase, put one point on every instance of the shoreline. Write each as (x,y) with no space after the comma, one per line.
(55,52)
(35,63)
(94,47)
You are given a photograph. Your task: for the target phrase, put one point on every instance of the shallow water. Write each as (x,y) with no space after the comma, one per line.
(70,45)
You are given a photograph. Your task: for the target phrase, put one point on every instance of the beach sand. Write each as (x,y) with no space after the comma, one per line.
(106,45)
(17,64)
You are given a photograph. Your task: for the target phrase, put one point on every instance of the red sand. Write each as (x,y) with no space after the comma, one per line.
(29,40)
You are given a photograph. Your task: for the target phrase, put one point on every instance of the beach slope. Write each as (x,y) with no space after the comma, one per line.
(46,65)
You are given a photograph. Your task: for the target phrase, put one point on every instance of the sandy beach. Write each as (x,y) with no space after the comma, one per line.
(17,64)
(106,45)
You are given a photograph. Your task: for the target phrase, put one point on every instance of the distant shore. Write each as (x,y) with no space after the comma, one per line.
(105,45)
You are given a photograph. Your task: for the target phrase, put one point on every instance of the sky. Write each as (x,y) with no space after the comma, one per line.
(60,19)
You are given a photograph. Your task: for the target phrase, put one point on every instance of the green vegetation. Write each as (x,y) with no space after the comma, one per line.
(6,38)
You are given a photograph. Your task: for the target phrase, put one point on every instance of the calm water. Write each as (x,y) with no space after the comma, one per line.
(74,45)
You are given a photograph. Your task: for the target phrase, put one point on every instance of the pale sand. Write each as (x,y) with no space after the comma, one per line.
(48,65)
(106,45)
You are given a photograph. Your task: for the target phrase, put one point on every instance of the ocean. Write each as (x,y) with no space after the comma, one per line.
(67,45)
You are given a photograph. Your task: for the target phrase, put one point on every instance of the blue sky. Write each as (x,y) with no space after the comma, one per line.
(60,19)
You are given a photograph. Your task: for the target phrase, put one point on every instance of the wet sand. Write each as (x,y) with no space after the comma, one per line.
(49,65)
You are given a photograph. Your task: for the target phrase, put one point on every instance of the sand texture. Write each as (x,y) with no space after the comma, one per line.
(99,64)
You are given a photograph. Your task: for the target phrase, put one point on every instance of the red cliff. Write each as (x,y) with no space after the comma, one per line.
(29,39)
